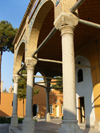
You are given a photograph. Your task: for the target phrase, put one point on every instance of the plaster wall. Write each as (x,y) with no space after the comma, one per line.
(6,104)
(56,99)
(92,53)
(85,89)
(39,99)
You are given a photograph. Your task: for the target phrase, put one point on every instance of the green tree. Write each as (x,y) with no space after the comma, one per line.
(7,34)
(22,89)
(5,90)
(58,85)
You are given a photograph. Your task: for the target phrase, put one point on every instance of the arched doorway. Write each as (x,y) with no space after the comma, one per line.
(56,111)
(34,110)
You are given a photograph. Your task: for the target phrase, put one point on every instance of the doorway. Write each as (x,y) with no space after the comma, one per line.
(81,110)
(56,110)
(34,110)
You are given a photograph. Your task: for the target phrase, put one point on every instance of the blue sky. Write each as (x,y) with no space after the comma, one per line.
(12,11)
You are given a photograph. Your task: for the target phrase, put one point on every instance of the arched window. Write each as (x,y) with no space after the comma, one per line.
(80,75)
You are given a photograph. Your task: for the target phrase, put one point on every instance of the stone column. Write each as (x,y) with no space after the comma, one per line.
(28,123)
(14,118)
(67,23)
(47,117)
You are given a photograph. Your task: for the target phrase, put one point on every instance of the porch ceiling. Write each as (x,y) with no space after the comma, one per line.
(90,11)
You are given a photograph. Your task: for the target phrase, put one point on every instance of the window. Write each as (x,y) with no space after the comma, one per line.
(61,109)
(80,75)
(56,101)
(51,109)
(79,62)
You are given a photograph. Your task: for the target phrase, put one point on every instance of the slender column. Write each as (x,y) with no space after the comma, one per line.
(67,23)
(47,117)
(69,97)
(14,118)
(28,123)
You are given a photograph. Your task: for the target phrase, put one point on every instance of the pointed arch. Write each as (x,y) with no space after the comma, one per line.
(20,54)
(36,27)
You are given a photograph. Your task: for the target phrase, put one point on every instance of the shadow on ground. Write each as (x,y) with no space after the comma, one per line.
(45,127)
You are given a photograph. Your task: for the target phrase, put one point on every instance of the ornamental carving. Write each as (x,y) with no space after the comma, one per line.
(15,78)
(30,63)
(66,19)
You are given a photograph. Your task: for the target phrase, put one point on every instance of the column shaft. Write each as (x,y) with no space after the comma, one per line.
(29,94)
(47,99)
(14,118)
(69,92)
(69,97)
(28,122)
(15,98)
(66,22)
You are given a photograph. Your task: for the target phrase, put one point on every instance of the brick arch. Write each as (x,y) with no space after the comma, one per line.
(36,27)
(18,59)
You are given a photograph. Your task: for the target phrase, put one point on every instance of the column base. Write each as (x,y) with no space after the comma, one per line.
(28,125)
(69,126)
(47,117)
(14,121)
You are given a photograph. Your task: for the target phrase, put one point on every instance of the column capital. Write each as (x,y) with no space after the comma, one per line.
(47,84)
(66,19)
(15,77)
(67,29)
(30,63)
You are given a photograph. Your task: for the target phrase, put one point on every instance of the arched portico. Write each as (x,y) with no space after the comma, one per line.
(41,17)
(30,63)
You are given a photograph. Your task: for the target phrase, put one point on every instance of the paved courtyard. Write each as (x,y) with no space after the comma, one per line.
(45,127)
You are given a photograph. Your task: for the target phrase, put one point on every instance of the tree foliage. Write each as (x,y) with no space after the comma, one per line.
(58,85)
(7,34)
(5,90)
(22,87)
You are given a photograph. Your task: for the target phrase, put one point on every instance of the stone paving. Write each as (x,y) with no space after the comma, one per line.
(45,127)
(4,128)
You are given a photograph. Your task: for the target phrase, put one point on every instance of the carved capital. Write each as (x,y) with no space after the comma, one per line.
(30,63)
(15,78)
(66,19)
(67,29)
(48,83)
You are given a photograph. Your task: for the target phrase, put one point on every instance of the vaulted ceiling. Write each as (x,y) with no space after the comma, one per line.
(90,11)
